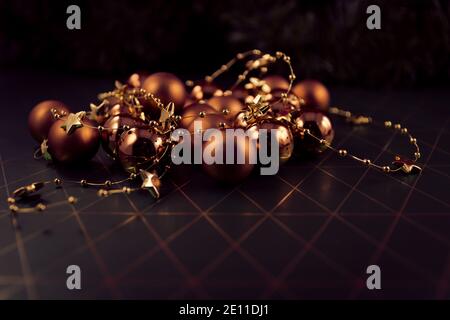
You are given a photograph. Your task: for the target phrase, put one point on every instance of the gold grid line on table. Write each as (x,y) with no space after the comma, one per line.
(376,256)
(319,168)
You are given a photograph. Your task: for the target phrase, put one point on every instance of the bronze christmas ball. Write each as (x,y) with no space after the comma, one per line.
(114,127)
(283,136)
(78,146)
(138,148)
(319,125)
(228,105)
(240,93)
(276,82)
(209,117)
(314,93)
(41,119)
(228,173)
(167,87)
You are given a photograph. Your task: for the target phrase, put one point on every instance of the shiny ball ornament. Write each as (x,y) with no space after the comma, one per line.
(276,82)
(78,146)
(167,87)
(114,127)
(228,105)
(319,125)
(139,148)
(240,93)
(203,112)
(314,93)
(228,173)
(283,136)
(41,118)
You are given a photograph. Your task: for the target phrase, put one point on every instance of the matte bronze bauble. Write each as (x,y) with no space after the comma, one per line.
(283,106)
(41,118)
(78,146)
(228,173)
(113,128)
(228,105)
(314,93)
(319,125)
(283,136)
(167,87)
(240,93)
(276,82)
(138,148)
(207,115)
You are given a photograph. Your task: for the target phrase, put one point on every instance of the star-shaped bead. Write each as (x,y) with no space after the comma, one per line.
(73,121)
(166,113)
(96,110)
(150,182)
(406,165)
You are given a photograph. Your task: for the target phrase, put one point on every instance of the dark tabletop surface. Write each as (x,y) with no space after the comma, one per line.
(308,232)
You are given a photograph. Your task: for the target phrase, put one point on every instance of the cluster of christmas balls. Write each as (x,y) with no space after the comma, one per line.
(132,132)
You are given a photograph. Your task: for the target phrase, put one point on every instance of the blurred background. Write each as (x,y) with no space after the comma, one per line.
(327,40)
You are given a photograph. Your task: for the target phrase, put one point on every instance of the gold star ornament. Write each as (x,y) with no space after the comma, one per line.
(150,182)
(406,165)
(73,121)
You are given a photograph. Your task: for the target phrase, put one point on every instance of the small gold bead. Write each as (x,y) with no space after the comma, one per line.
(347,114)
(133,176)
(225,111)
(102,193)
(386,169)
(13,208)
(57,181)
(126,190)
(413,140)
(126,128)
(189,83)
(323,141)
(241,77)
(83,183)
(11,200)
(208,79)
(307,131)
(404,131)
(367,162)
(222,125)
(284,95)
(240,56)
(108,183)
(417,155)
(388,124)
(71,199)
(292,77)
(397,126)
(287,58)
(202,114)
(177,118)
(342,152)
(40,207)
(224,67)
(100,128)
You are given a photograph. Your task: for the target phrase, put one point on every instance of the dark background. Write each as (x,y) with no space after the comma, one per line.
(327,40)
(308,232)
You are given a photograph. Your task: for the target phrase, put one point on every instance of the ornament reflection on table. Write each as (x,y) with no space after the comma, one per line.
(134,123)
